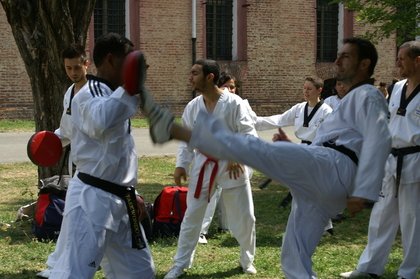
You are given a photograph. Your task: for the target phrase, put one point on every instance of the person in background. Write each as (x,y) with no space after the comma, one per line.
(75,64)
(391,86)
(205,172)
(226,81)
(383,88)
(306,117)
(334,100)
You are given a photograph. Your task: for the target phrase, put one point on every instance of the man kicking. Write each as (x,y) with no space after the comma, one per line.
(398,205)
(351,146)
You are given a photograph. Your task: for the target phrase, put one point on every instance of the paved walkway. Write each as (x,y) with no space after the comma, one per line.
(13,145)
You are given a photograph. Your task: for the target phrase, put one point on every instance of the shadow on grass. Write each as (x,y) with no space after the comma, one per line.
(17,203)
(24,274)
(271,220)
(220,274)
(18,233)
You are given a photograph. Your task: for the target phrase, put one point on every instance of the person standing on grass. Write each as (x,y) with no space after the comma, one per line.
(101,217)
(205,172)
(75,64)
(306,117)
(399,202)
(351,145)
(226,81)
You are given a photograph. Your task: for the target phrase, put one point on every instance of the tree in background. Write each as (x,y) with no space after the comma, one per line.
(42,29)
(387,17)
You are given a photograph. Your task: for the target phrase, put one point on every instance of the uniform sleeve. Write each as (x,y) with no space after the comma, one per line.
(251,113)
(245,124)
(185,154)
(372,123)
(276,121)
(102,113)
(64,140)
(64,131)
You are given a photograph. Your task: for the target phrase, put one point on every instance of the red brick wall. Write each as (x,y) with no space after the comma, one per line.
(385,69)
(280,52)
(15,91)
(165,37)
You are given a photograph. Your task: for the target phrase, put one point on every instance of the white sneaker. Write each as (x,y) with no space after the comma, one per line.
(174,272)
(202,239)
(250,270)
(44,274)
(355,274)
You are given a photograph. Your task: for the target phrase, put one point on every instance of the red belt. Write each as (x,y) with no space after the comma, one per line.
(201,177)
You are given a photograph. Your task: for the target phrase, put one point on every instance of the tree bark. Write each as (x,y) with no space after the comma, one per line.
(42,29)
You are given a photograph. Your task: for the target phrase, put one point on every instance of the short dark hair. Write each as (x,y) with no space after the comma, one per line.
(111,43)
(74,51)
(210,67)
(316,81)
(413,48)
(225,77)
(365,50)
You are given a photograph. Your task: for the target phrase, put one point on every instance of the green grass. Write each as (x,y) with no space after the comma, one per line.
(16,125)
(21,256)
(7,126)
(29,125)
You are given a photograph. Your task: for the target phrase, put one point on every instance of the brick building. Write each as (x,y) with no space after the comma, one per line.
(270,45)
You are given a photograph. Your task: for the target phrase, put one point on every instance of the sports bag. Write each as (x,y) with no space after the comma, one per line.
(50,207)
(169,209)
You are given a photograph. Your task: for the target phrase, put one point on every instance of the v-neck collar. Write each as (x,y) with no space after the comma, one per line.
(221,99)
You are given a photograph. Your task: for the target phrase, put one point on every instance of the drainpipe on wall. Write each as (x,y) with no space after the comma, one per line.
(194,36)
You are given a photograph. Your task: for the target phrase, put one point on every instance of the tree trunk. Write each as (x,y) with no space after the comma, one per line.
(42,29)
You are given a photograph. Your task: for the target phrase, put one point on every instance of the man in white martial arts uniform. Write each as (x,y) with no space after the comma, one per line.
(205,172)
(75,64)
(399,203)
(351,145)
(101,217)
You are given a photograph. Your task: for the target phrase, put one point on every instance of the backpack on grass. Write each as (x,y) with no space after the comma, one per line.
(50,207)
(169,209)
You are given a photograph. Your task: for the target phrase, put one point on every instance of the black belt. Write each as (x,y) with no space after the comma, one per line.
(400,153)
(306,142)
(128,194)
(346,151)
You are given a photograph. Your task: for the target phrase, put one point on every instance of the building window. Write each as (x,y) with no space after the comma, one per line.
(219,29)
(327,30)
(109,16)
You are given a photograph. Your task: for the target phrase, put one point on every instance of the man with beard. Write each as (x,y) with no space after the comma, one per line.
(398,205)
